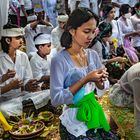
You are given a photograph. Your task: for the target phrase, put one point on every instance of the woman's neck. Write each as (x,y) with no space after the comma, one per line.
(78,56)
(74,50)
(108,20)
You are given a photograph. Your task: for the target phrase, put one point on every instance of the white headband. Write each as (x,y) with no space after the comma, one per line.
(43,39)
(31,18)
(62,18)
(13,32)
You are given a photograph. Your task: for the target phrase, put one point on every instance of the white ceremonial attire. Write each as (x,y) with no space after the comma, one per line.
(30,34)
(11,102)
(40,66)
(55,38)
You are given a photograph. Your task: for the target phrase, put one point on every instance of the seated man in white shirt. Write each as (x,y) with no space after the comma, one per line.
(21,85)
(40,62)
(57,31)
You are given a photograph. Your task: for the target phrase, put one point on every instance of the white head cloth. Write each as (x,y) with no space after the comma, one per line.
(43,39)
(31,18)
(13,32)
(62,18)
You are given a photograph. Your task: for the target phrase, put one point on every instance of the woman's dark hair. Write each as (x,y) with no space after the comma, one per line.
(137,6)
(59,14)
(4,45)
(78,17)
(124,9)
(105,29)
(95,39)
(106,9)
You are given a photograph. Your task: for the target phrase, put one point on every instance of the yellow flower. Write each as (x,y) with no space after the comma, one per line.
(115,42)
(4,123)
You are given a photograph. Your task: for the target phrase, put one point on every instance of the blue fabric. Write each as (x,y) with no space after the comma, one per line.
(73,77)
(79,95)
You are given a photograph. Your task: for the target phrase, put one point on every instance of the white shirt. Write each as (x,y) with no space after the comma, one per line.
(22,68)
(115,32)
(84,3)
(72,4)
(55,38)
(11,102)
(124,29)
(27,4)
(40,66)
(136,24)
(30,34)
(95,7)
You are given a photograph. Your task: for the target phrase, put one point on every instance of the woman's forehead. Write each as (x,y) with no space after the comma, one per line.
(90,23)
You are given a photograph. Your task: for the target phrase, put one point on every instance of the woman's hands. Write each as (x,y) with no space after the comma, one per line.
(99,75)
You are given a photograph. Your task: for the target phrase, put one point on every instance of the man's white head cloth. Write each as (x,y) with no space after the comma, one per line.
(62,18)
(43,39)
(13,32)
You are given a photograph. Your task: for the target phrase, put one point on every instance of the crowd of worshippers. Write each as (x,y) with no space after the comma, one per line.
(49,31)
